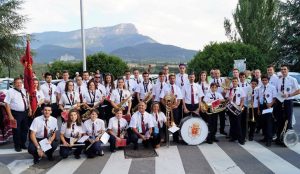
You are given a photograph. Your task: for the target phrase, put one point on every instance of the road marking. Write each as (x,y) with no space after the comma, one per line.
(168,161)
(219,161)
(67,166)
(11,151)
(296,148)
(269,159)
(18,166)
(117,164)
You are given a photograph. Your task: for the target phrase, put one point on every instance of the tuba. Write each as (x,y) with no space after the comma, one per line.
(120,105)
(170,100)
(146,100)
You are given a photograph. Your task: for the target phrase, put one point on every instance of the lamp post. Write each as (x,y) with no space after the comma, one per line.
(82,35)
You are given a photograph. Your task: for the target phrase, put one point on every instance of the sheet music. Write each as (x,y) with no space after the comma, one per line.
(266,111)
(83,139)
(45,145)
(104,138)
(173,129)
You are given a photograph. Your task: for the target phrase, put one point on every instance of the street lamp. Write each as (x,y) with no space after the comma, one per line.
(82,35)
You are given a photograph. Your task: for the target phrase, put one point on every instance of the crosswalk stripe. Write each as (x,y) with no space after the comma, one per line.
(168,161)
(117,164)
(11,151)
(219,161)
(269,159)
(68,165)
(18,166)
(296,148)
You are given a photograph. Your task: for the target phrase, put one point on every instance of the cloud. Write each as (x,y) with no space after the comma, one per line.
(189,24)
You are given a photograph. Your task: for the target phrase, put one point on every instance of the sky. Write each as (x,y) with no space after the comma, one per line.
(190,24)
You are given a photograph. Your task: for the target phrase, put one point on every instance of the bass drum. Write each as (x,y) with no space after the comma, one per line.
(193,130)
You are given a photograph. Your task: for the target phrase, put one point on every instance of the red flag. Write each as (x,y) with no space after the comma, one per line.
(27,62)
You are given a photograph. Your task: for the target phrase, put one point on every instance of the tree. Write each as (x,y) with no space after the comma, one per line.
(59,66)
(106,63)
(256,23)
(222,56)
(10,24)
(289,36)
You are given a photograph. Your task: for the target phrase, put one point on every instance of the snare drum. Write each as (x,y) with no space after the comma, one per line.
(233,108)
(193,130)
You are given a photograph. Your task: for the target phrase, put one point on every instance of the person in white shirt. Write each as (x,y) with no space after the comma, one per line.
(235,95)
(117,128)
(144,89)
(130,84)
(165,71)
(243,83)
(99,84)
(212,119)
(251,108)
(18,110)
(173,90)
(44,126)
(203,82)
(257,75)
(109,86)
(286,87)
(192,95)
(61,85)
(80,88)
(272,76)
(267,98)
(39,97)
(181,77)
(49,91)
(159,120)
(70,132)
(141,126)
(94,128)
(119,95)
(85,78)
(236,73)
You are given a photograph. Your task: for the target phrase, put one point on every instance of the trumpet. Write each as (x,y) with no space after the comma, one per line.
(120,105)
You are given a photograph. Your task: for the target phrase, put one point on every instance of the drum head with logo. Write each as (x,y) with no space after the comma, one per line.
(193,130)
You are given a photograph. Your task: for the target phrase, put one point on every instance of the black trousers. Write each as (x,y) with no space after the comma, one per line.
(94,149)
(33,150)
(191,108)
(212,122)
(222,121)
(285,112)
(158,136)
(251,124)
(65,151)
(235,131)
(177,118)
(267,126)
(133,138)
(20,133)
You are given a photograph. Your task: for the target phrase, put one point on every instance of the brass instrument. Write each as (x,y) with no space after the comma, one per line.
(252,109)
(99,136)
(226,85)
(206,108)
(146,100)
(120,105)
(170,100)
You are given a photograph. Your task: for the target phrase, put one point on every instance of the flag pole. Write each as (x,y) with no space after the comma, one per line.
(82,35)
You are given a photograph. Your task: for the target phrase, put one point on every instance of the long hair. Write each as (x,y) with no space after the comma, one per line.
(202,72)
(111,83)
(67,85)
(78,120)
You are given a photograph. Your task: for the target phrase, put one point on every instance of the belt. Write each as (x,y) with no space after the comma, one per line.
(19,111)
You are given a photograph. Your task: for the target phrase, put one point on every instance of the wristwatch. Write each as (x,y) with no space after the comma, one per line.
(39,147)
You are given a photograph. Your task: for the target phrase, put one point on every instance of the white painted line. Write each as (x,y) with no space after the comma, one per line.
(11,151)
(218,160)
(67,166)
(18,166)
(168,161)
(269,159)
(296,148)
(117,164)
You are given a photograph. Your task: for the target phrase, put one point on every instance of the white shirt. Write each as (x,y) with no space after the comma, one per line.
(143,89)
(161,119)
(210,97)
(244,85)
(108,90)
(113,125)
(238,94)
(168,89)
(181,80)
(80,90)
(157,89)
(70,132)
(274,80)
(61,87)
(290,85)
(205,87)
(138,80)
(39,95)
(98,127)
(131,85)
(46,91)
(268,93)
(92,98)
(136,121)
(249,95)
(15,99)
(187,95)
(118,94)
(67,101)
(38,125)
(101,89)
(166,78)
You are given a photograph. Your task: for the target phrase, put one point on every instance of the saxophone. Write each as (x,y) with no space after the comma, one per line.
(120,105)
(146,100)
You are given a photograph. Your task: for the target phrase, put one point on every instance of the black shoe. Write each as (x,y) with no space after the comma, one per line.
(223,133)
(215,140)
(24,147)
(101,153)
(18,149)
(232,140)
(50,158)
(263,140)
(268,144)
(242,142)
(250,138)
(209,142)
(36,160)
(227,137)
(77,157)
(112,151)
(135,147)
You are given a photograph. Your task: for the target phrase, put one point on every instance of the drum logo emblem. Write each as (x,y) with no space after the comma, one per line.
(194,130)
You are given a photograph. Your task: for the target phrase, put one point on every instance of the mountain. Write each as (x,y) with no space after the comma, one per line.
(121,40)
(154,51)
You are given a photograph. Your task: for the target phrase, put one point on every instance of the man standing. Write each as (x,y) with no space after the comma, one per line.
(182,77)
(48,90)
(61,85)
(273,79)
(17,108)
(85,78)
(166,73)
(145,89)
